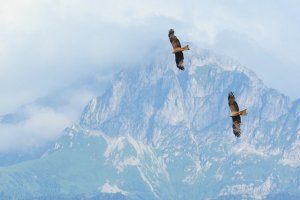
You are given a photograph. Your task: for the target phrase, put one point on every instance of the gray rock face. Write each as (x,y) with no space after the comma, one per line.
(160,133)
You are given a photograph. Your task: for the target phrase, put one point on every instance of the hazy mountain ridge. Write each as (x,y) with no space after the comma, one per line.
(159,133)
(89,159)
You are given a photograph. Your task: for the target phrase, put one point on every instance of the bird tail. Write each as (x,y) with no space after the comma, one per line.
(243,112)
(186,47)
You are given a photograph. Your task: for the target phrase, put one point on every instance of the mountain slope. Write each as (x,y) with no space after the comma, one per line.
(84,162)
(159,133)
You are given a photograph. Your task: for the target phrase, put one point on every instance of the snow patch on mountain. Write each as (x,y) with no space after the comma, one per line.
(113,144)
(249,190)
(291,156)
(108,188)
(248,149)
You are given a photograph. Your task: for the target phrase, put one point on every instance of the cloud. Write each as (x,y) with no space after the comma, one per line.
(50,44)
(41,124)
(44,120)
(47,46)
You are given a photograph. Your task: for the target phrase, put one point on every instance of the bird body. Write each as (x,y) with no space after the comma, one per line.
(177,49)
(235,114)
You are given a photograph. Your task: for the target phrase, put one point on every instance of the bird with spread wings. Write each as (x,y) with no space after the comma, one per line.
(177,49)
(235,114)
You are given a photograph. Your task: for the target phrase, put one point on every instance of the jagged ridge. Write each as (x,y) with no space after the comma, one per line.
(164,134)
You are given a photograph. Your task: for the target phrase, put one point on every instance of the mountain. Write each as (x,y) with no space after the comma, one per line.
(160,133)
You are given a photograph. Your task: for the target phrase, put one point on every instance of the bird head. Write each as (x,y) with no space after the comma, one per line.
(171,32)
(231,98)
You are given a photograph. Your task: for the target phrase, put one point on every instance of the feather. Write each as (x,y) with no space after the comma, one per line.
(235,114)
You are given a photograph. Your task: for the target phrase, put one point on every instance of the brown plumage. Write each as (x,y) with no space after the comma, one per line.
(235,114)
(177,49)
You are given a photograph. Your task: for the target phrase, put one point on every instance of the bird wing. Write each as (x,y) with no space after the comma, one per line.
(236,119)
(179,59)
(236,126)
(234,107)
(175,42)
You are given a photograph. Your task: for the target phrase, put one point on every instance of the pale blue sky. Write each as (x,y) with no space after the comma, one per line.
(48,45)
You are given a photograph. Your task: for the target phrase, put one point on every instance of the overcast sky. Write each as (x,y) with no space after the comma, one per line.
(51,44)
